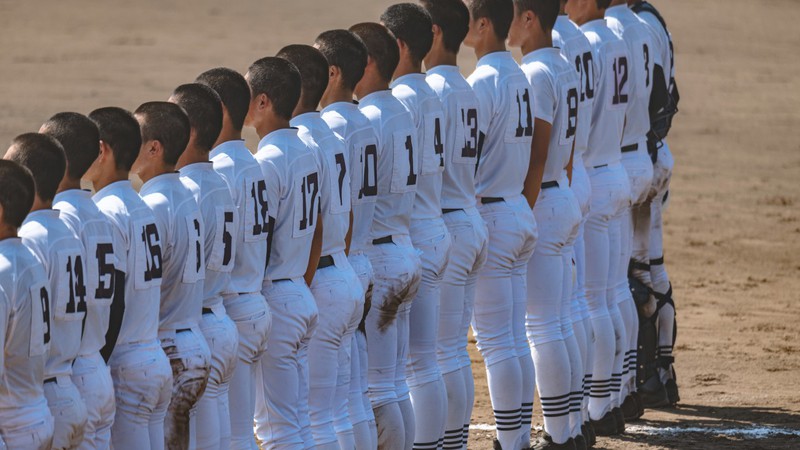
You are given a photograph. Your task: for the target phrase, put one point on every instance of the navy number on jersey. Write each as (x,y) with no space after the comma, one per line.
(309,187)
(585,66)
(148,261)
(369,166)
(77,287)
(572,113)
(646,54)
(40,320)
(105,273)
(620,67)
(258,193)
(524,115)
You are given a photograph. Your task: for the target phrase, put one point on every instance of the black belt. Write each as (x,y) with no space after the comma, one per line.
(325,261)
(281,279)
(183,330)
(630,148)
(383,240)
(51,380)
(549,184)
(208,311)
(489,200)
(450,210)
(600,166)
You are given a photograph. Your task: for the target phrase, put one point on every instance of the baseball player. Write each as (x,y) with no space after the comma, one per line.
(549,320)
(204,110)
(412,26)
(63,257)
(25,419)
(576,49)
(463,135)
(90,374)
(610,197)
(165,133)
(242,299)
(347,58)
(636,160)
(506,105)
(658,385)
(336,287)
(139,368)
(293,201)
(394,259)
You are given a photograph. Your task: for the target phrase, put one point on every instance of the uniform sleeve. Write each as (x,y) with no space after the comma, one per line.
(5,309)
(544,92)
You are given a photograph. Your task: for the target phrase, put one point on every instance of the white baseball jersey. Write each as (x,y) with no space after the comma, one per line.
(350,124)
(398,163)
(334,160)
(25,299)
(182,250)
(81,215)
(634,31)
(576,49)
(62,255)
(248,188)
(555,86)
(293,197)
(463,135)
(220,223)
(428,114)
(505,105)
(662,40)
(135,232)
(612,90)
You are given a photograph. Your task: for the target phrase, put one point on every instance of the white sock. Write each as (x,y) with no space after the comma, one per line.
(505,389)
(552,365)
(430,412)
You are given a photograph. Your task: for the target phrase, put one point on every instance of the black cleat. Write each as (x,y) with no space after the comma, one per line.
(580,442)
(630,408)
(496,445)
(653,393)
(545,442)
(619,419)
(588,433)
(606,425)
(672,392)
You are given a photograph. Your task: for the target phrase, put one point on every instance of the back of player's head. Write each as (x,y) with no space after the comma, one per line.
(120,131)
(232,89)
(411,24)
(381,46)
(452,17)
(546,10)
(204,110)
(346,51)
(166,123)
(279,80)
(79,137)
(499,12)
(313,68)
(17,191)
(603,4)
(44,157)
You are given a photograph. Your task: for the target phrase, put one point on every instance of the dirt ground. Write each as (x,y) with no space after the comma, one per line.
(732,228)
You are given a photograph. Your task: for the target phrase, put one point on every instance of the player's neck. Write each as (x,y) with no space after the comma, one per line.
(302,109)
(228,133)
(67,184)
(370,85)
(109,177)
(489,45)
(39,204)
(7,231)
(147,175)
(537,41)
(406,66)
(192,155)
(270,126)
(438,56)
(335,96)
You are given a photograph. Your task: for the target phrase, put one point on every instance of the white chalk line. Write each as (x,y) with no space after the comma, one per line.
(754,432)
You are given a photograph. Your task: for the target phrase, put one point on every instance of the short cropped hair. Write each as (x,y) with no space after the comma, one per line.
(346,51)
(603,4)
(412,24)
(313,68)
(203,107)
(499,12)
(381,46)
(452,17)
(44,157)
(232,89)
(79,137)
(17,191)
(166,123)
(279,80)
(546,10)
(120,131)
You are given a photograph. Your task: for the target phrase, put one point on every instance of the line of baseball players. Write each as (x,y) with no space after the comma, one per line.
(323,288)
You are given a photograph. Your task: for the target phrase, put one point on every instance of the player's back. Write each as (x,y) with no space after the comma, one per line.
(220,223)
(506,107)
(81,215)
(61,253)
(463,136)
(26,296)
(334,162)
(293,186)
(182,250)
(350,124)
(662,39)
(237,166)
(135,232)
(576,49)
(555,85)
(398,163)
(634,31)
(428,114)
(612,90)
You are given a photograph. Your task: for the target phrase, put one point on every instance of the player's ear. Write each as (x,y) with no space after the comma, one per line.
(437,32)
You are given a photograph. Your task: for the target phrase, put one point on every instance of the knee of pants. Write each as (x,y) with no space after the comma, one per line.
(382,394)
(422,368)
(543,329)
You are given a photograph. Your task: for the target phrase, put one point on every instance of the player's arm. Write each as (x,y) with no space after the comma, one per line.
(316,252)
(349,236)
(539,148)
(5,308)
